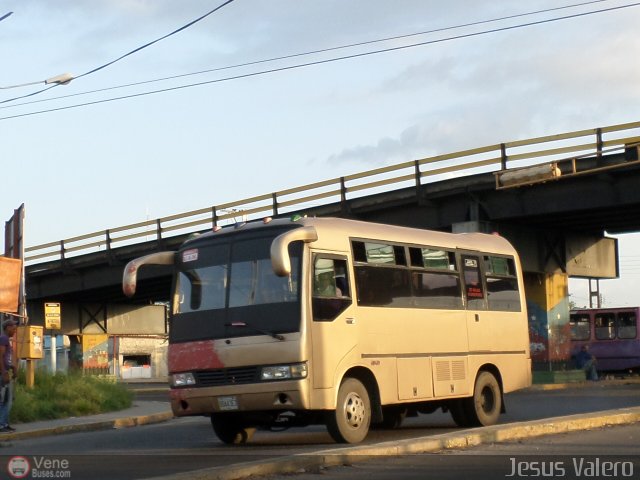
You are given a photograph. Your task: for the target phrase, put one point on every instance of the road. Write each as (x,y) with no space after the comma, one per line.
(187,444)
(576,455)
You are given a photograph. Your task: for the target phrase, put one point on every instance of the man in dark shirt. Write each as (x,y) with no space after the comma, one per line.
(587,362)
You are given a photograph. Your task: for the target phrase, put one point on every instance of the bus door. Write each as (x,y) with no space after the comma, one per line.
(333,326)
(479,324)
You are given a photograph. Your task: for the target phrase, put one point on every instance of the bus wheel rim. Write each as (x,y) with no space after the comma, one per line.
(354,410)
(487,400)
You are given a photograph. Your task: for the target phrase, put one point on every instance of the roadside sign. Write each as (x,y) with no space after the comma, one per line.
(52,317)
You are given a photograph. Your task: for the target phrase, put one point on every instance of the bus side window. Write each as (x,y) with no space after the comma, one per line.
(331,292)
(502,284)
(627,328)
(605,326)
(580,327)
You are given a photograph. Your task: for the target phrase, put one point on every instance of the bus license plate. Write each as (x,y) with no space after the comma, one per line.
(228,403)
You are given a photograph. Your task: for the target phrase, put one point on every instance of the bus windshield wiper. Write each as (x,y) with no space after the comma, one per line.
(277,336)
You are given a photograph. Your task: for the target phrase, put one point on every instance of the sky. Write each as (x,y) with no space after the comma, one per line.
(86,169)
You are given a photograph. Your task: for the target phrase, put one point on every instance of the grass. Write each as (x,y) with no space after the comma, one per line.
(62,395)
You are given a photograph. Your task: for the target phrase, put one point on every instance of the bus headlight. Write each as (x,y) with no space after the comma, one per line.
(284,372)
(182,379)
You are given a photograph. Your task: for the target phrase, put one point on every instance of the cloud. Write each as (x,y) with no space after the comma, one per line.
(532,82)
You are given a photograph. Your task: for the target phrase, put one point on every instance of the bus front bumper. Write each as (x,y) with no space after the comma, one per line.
(271,396)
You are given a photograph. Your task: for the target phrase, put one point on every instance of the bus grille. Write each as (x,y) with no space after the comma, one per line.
(227,376)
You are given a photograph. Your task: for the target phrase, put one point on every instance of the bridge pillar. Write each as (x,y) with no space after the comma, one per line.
(548,310)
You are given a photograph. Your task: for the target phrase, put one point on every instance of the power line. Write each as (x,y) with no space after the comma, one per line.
(320,62)
(311,52)
(184,27)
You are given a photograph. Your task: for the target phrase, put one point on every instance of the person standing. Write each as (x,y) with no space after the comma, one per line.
(8,371)
(587,362)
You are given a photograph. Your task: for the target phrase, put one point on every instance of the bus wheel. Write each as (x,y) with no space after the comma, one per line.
(230,429)
(349,423)
(487,400)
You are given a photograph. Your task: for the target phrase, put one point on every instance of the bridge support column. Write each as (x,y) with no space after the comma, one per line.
(548,310)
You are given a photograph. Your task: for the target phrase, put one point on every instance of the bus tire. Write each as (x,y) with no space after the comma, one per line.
(349,422)
(230,429)
(485,405)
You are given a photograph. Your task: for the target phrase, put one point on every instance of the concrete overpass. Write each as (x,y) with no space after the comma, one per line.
(553,197)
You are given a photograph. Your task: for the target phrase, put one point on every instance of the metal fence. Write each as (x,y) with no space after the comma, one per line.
(494,158)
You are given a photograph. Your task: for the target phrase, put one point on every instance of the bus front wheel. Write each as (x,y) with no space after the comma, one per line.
(350,421)
(485,405)
(230,429)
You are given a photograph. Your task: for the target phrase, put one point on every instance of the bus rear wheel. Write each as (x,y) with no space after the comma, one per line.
(231,429)
(484,407)
(350,421)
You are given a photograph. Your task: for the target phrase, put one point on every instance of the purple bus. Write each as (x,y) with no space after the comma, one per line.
(612,335)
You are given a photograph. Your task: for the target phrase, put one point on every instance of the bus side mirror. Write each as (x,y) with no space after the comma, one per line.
(130,276)
(280,261)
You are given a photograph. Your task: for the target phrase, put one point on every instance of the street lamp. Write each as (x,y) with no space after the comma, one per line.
(62,79)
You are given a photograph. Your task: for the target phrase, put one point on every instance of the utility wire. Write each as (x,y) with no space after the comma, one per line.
(302,54)
(330,60)
(312,52)
(128,53)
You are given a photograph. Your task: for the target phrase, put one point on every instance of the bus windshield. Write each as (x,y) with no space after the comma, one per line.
(230,279)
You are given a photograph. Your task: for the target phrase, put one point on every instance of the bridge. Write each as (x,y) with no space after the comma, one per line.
(553,197)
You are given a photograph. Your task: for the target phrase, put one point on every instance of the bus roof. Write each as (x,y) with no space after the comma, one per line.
(346,228)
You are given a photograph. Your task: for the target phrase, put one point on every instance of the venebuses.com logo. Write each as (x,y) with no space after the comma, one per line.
(38,467)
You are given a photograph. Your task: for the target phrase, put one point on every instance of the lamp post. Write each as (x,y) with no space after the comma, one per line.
(62,79)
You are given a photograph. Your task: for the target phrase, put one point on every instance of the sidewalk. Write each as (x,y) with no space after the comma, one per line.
(140,413)
(585,383)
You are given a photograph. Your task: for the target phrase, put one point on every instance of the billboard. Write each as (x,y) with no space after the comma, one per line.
(10,275)
(11,281)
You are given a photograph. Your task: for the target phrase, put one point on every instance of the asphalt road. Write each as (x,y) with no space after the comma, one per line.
(608,453)
(187,444)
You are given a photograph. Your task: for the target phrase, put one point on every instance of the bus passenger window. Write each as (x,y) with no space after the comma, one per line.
(627,328)
(378,253)
(383,286)
(502,284)
(437,290)
(432,258)
(331,293)
(605,326)
(580,327)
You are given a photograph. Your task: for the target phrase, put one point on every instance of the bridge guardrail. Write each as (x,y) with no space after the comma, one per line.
(499,157)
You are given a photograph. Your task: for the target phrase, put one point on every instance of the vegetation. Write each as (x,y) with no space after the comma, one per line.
(62,395)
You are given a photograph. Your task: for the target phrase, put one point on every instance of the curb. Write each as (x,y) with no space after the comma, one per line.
(135,391)
(125,422)
(300,463)
(583,384)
